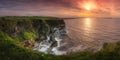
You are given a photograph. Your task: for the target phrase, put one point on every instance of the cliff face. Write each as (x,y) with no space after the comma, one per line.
(29,29)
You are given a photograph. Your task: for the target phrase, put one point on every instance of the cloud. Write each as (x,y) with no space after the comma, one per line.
(55,7)
(39,3)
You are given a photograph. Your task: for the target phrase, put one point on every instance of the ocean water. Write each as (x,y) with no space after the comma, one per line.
(82,34)
(91,33)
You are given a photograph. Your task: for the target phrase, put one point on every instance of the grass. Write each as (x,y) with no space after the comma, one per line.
(11,50)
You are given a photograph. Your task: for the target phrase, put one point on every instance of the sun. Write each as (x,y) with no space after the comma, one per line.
(89,6)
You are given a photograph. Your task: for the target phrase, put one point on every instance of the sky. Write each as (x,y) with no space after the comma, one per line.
(60,8)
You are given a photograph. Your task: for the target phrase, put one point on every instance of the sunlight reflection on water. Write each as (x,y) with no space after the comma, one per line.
(93,29)
(88,27)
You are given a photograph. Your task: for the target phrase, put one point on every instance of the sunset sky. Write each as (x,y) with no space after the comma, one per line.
(60,8)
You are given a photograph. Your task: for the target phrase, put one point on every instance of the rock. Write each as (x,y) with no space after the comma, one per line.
(28,43)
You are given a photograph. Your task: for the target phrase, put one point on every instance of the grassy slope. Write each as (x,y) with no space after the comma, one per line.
(11,49)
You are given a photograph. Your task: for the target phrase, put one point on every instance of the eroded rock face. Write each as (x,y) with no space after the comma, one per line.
(15,26)
(54,39)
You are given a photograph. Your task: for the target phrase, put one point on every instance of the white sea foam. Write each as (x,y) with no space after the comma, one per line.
(45,45)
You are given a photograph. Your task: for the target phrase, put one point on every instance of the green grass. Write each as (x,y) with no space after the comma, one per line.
(12,50)
(30,35)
